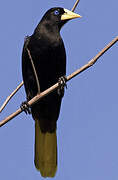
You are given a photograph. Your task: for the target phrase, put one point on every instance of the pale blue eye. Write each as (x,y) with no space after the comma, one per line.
(56,12)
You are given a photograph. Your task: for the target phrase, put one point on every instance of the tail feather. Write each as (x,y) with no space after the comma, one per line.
(45,151)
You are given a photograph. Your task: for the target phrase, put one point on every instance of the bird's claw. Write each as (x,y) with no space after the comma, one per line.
(25,107)
(62,83)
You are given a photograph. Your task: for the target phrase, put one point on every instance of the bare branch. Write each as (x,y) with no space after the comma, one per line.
(54,87)
(11,95)
(75,5)
(21,84)
(93,61)
(34,69)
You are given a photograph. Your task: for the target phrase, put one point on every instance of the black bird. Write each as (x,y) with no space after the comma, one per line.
(47,50)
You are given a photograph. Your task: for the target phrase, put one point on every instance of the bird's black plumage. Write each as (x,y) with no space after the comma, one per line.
(48,54)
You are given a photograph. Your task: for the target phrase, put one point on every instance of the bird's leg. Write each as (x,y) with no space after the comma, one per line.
(25,107)
(62,83)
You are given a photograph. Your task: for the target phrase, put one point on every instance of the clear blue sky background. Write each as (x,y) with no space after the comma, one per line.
(88,123)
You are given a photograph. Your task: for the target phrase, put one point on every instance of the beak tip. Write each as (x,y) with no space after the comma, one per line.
(69,15)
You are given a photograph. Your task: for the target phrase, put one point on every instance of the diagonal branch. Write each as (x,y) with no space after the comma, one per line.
(93,61)
(34,69)
(38,97)
(75,5)
(11,95)
(21,84)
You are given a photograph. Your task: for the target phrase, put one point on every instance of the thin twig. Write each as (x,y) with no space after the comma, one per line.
(75,5)
(34,69)
(21,84)
(93,61)
(11,95)
(54,87)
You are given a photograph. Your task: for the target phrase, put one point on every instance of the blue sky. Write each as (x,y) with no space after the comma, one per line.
(88,123)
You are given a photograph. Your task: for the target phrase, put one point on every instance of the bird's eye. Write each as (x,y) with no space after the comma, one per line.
(56,12)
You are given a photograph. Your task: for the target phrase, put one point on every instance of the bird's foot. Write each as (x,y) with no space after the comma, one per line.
(62,84)
(25,107)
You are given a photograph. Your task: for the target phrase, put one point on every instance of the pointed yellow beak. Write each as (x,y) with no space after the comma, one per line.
(69,15)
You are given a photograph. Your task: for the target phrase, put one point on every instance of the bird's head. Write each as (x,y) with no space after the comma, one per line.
(59,16)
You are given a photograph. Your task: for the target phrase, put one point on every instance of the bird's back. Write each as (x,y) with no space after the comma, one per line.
(49,58)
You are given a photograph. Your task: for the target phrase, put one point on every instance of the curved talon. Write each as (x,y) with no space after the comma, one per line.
(62,83)
(25,107)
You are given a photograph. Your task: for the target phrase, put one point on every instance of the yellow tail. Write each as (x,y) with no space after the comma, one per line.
(45,152)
